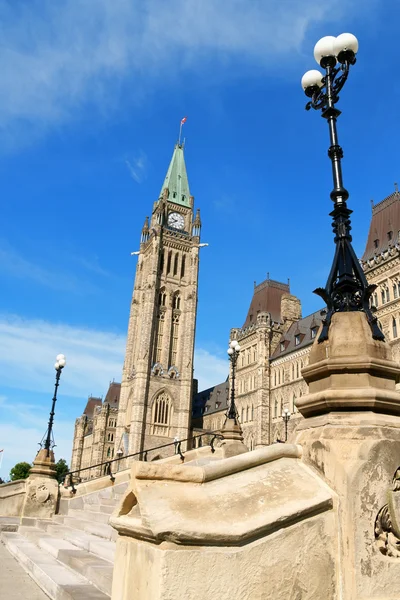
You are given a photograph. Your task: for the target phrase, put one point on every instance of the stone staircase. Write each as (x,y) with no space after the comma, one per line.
(71,555)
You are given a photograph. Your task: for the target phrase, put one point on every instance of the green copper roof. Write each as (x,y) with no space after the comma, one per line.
(176,179)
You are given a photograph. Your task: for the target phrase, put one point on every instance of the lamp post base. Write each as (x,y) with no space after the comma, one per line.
(42,488)
(232,443)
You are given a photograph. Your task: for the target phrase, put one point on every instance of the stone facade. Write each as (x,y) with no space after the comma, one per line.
(95,438)
(157,377)
(275,340)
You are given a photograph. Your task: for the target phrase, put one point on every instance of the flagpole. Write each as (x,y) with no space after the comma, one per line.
(1,457)
(180,133)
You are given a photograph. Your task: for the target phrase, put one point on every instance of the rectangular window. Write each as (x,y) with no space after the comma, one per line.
(297,339)
(394,291)
(313,332)
(387,295)
(282,346)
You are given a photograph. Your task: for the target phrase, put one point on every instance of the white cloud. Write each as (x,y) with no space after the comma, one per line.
(27,353)
(94,358)
(20,443)
(57,55)
(21,267)
(138,167)
(209,368)
(29,347)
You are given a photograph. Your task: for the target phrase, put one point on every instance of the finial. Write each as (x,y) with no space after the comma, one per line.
(288,282)
(268,275)
(372,204)
(396,187)
(255,284)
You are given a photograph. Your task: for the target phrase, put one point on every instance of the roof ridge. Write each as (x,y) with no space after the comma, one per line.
(272,283)
(386,202)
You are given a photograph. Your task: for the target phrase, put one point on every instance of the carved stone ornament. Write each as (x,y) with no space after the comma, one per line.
(41,494)
(387,524)
(131,374)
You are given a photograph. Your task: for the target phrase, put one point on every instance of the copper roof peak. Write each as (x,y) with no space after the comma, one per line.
(384,228)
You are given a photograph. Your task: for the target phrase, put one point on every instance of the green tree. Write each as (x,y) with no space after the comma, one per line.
(62,469)
(20,471)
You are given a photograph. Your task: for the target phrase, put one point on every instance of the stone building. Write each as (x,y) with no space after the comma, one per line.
(157,377)
(381,264)
(95,433)
(275,342)
(275,339)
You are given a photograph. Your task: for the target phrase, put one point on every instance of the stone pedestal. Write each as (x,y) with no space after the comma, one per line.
(232,443)
(311,521)
(351,436)
(255,526)
(42,488)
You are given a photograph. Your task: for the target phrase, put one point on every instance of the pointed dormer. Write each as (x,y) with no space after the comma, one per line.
(176,182)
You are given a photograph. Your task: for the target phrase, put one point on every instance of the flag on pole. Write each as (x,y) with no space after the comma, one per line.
(180,129)
(1,456)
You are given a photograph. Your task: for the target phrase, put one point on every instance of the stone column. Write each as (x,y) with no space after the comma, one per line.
(351,436)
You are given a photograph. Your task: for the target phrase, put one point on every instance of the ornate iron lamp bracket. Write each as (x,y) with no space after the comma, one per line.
(347,288)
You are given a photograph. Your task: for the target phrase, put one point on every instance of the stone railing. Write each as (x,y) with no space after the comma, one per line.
(12,496)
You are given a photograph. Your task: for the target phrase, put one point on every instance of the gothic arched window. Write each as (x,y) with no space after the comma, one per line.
(276,408)
(383,296)
(161,415)
(176,263)
(169,262)
(173,351)
(183,266)
(162,261)
(176,302)
(162,298)
(159,338)
(394,327)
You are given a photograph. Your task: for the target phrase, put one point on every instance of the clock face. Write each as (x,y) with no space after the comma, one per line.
(176,220)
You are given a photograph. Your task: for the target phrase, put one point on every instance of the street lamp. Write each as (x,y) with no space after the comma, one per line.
(233,352)
(346,288)
(48,439)
(286,417)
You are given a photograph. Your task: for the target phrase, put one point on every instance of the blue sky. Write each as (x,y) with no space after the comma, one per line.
(91,95)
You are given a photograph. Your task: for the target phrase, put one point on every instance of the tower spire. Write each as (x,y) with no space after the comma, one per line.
(176,181)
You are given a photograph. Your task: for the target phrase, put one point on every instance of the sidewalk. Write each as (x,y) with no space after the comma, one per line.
(15,584)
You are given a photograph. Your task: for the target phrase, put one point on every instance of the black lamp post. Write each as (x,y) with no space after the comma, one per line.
(346,288)
(48,439)
(233,352)
(286,417)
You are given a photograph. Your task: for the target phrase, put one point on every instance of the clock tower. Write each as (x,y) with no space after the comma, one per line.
(157,379)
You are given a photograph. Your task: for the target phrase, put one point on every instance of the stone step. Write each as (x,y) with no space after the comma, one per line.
(100,529)
(92,516)
(9,523)
(103,508)
(106,502)
(85,541)
(96,570)
(55,579)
